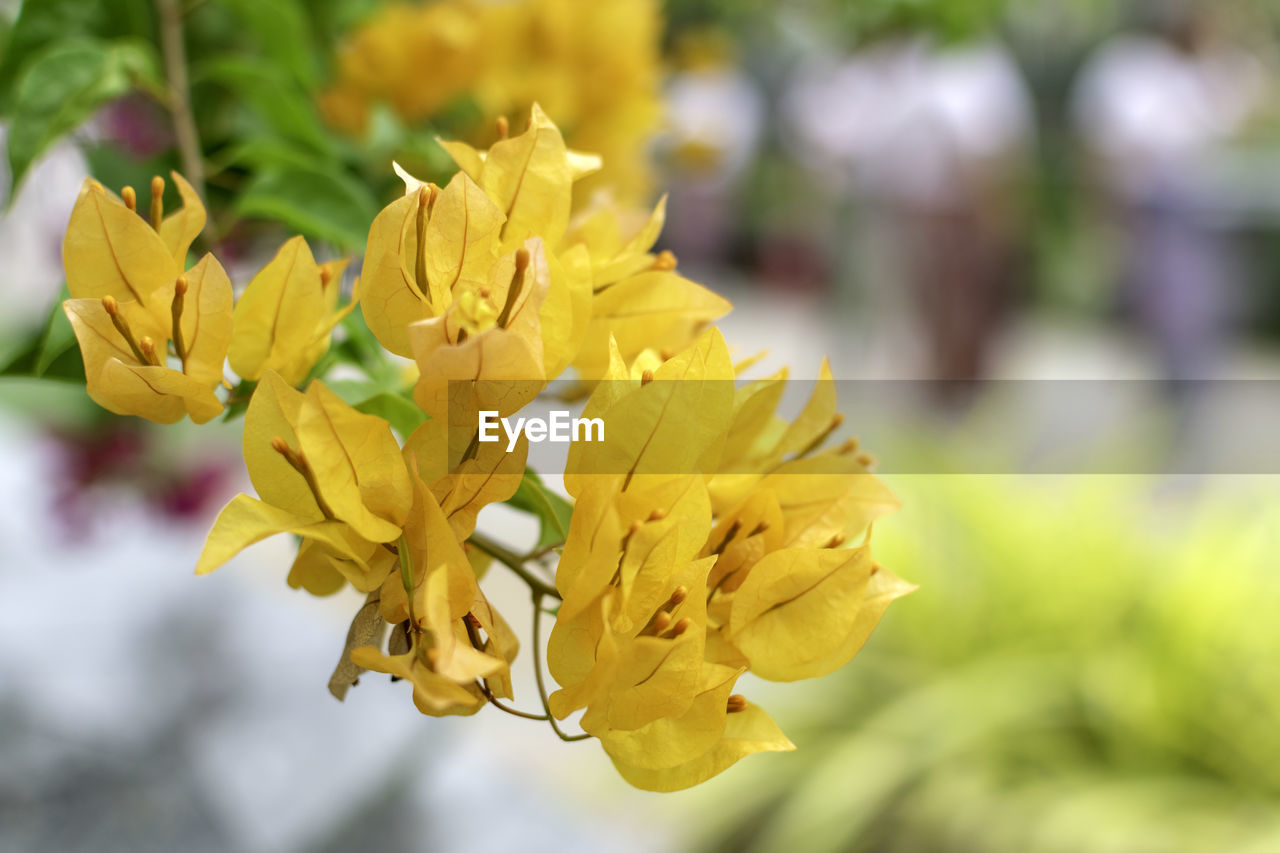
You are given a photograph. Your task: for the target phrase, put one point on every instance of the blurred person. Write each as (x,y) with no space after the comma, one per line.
(929,141)
(1156,110)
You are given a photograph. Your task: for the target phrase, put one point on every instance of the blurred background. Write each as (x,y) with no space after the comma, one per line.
(989,194)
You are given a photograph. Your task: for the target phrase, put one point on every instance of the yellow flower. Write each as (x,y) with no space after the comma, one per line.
(442,612)
(433,249)
(709,537)
(126,350)
(323,471)
(634,297)
(617,240)
(802,613)
(423,248)
(284,318)
(130,298)
(596,66)
(485,351)
(110,250)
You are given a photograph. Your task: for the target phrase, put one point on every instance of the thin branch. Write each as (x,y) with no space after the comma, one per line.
(537,671)
(515,563)
(474,636)
(493,700)
(175,70)
(539,553)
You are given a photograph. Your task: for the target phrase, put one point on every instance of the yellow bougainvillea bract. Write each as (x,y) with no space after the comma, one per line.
(708,536)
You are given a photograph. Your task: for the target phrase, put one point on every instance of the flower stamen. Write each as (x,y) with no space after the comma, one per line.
(665,261)
(298,461)
(112,308)
(179,301)
(157,202)
(517,282)
(148,348)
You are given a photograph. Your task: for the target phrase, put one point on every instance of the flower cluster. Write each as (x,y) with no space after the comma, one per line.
(595,66)
(709,537)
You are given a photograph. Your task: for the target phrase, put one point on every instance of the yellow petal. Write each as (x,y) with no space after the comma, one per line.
(746,732)
(274,412)
(582,163)
(390,297)
(460,240)
(797,608)
(179,230)
(433,694)
(206,320)
(654,310)
(411,184)
(116,380)
(582,656)
(826,494)
(675,740)
(157,393)
(566,312)
(469,160)
(611,259)
(110,251)
(490,476)
(882,590)
(357,464)
(313,569)
(816,417)
(674,425)
(753,413)
(246,520)
(530,179)
(277,315)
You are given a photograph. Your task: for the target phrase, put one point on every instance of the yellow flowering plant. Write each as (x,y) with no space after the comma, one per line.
(707,536)
(595,66)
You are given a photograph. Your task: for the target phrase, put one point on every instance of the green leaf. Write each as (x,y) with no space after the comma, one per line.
(41,23)
(553,511)
(264,153)
(283,35)
(361,348)
(238,402)
(399,410)
(62,88)
(284,108)
(51,353)
(328,205)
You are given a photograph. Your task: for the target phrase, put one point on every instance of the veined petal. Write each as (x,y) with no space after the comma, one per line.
(110,251)
(278,314)
(653,310)
(245,521)
(530,178)
(391,298)
(746,732)
(796,611)
(179,229)
(460,241)
(357,465)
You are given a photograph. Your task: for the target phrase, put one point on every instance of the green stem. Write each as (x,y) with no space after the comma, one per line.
(537,671)
(474,636)
(175,71)
(515,563)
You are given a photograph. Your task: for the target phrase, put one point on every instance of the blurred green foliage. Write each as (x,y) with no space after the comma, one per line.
(1090,663)
(255,70)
